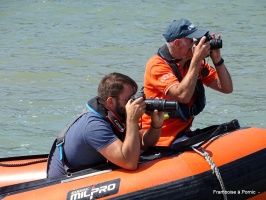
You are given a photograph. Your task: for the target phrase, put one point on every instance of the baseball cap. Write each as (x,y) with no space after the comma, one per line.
(182,29)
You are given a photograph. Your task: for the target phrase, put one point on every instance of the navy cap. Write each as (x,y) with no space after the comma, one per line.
(182,29)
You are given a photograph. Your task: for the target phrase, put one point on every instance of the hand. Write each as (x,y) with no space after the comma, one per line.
(216,53)
(202,50)
(135,109)
(157,118)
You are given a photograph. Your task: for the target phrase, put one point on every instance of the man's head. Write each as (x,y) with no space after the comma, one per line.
(115,90)
(182,29)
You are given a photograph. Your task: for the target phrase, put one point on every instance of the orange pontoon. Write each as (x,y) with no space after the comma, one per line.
(230,166)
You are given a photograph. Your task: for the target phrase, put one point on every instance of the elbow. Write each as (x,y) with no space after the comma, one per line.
(132,166)
(184,97)
(228,90)
(184,100)
(231,90)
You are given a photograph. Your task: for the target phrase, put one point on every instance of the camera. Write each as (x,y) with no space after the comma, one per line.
(157,104)
(215,43)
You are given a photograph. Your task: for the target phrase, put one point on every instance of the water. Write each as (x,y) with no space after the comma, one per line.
(54,53)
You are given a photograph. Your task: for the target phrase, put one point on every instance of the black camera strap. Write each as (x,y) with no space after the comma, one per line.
(164,53)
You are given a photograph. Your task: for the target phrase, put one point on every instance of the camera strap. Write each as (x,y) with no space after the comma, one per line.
(116,122)
(164,53)
(117,126)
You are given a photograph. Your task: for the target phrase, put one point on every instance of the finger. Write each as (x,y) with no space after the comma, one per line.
(137,101)
(155,112)
(130,101)
(202,40)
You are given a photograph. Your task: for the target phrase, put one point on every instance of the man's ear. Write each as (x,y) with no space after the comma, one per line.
(110,101)
(177,43)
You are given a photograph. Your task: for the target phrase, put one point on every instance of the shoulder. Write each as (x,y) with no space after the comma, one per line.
(92,119)
(95,127)
(157,66)
(89,121)
(156,60)
(90,116)
(208,73)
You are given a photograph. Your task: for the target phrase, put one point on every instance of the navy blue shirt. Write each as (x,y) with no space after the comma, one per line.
(83,140)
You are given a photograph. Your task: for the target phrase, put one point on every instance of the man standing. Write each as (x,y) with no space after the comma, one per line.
(178,72)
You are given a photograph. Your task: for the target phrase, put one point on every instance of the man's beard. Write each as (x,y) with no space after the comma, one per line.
(120,111)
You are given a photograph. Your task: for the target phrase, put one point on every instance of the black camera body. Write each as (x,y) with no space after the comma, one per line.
(215,43)
(157,104)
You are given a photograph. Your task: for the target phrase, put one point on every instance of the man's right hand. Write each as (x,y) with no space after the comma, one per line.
(202,50)
(135,109)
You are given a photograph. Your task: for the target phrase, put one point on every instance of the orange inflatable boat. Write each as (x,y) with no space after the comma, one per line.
(231,165)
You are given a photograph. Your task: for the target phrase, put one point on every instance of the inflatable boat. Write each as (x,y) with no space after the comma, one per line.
(219,164)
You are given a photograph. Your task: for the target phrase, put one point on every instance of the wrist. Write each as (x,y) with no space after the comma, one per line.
(195,62)
(219,63)
(156,127)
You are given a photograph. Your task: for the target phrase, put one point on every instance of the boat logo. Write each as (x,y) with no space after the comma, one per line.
(95,191)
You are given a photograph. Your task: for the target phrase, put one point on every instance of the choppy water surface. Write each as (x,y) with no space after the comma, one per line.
(54,53)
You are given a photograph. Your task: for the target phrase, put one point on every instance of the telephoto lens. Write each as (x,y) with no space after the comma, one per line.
(157,104)
(216,44)
(161,105)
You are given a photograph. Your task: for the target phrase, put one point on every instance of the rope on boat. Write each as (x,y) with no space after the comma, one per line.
(214,168)
(22,164)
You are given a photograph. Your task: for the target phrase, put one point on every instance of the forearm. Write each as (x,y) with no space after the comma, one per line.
(151,136)
(224,81)
(185,89)
(188,84)
(131,145)
(124,153)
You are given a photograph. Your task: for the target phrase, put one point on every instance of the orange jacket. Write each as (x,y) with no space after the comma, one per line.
(158,78)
